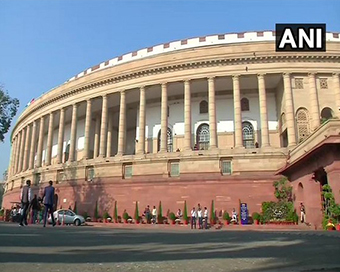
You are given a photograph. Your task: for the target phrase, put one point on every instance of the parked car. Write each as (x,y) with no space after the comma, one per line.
(67,217)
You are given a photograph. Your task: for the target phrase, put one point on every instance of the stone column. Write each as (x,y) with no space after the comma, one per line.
(109,136)
(88,119)
(121,129)
(187,115)
(336,88)
(263,111)
(141,131)
(73,142)
(41,142)
(212,113)
(237,112)
(103,128)
(49,140)
(164,118)
(313,98)
(96,137)
(14,143)
(33,142)
(61,136)
(22,149)
(26,154)
(289,110)
(17,153)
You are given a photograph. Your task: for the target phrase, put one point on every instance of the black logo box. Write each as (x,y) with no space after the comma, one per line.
(295,28)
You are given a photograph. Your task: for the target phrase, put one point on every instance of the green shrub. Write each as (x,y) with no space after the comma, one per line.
(256,216)
(160,213)
(226,216)
(126,216)
(212,213)
(277,211)
(137,212)
(115,212)
(185,212)
(172,216)
(106,215)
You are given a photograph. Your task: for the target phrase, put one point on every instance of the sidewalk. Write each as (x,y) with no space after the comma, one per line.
(266,227)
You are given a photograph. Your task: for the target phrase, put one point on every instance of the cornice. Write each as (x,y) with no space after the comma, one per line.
(172,68)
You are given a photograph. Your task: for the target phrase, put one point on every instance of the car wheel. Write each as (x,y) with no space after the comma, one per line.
(77,222)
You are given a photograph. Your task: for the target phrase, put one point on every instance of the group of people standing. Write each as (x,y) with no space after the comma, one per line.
(28,202)
(201,216)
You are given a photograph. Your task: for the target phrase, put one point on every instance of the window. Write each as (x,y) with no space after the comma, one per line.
(89,173)
(248,135)
(127,171)
(226,167)
(244,104)
(61,176)
(12,186)
(169,140)
(204,107)
(168,111)
(202,137)
(298,83)
(174,169)
(302,122)
(323,83)
(37,179)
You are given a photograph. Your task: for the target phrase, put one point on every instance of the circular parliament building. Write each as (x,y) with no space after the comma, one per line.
(218,118)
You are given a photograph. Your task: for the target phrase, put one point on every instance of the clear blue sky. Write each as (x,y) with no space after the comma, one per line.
(44,43)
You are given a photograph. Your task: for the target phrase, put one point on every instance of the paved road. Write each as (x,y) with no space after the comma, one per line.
(91,249)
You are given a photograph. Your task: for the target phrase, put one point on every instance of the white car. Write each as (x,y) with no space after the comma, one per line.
(64,216)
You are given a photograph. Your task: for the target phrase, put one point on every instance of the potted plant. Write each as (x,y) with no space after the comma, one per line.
(2,215)
(256,217)
(212,213)
(125,217)
(172,218)
(136,213)
(226,217)
(185,214)
(107,218)
(115,213)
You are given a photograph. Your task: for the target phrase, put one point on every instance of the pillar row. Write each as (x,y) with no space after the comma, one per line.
(73,137)
(103,128)
(61,136)
(26,151)
(164,117)
(49,140)
(88,119)
(33,145)
(336,88)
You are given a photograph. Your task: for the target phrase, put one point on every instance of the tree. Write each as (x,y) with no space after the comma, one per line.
(8,109)
(137,212)
(283,190)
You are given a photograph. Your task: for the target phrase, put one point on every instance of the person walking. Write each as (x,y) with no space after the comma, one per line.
(48,200)
(302,213)
(25,198)
(35,208)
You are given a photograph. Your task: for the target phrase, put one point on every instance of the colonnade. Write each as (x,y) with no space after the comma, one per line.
(24,142)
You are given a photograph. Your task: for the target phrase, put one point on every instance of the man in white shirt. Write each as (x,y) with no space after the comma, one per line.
(205,217)
(200,218)
(154,215)
(193,218)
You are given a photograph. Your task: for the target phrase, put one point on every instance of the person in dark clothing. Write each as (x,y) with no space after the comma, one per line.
(48,199)
(35,208)
(25,197)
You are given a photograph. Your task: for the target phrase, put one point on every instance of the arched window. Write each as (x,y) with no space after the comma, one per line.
(326,114)
(248,135)
(202,137)
(169,140)
(302,123)
(244,104)
(204,107)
